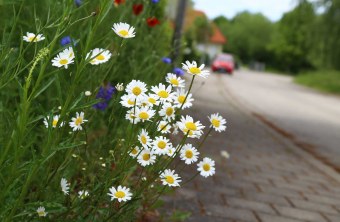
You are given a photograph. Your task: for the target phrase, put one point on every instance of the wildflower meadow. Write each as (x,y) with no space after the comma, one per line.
(90,104)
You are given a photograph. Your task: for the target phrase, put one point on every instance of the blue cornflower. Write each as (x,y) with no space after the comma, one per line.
(78,2)
(65,40)
(105,93)
(178,71)
(154,1)
(166,60)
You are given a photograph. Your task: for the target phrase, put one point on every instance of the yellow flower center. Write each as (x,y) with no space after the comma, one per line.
(120,194)
(100,57)
(174,82)
(181,98)
(143,139)
(189,154)
(134,151)
(63,61)
(144,115)
(169,179)
(41,213)
(136,91)
(190,132)
(206,167)
(162,127)
(161,144)
(190,126)
(169,111)
(130,102)
(146,156)
(152,100)
(55,122)
(195,70)
(164,94)
(123,33)
(78,121)
(31,39)
(215,122)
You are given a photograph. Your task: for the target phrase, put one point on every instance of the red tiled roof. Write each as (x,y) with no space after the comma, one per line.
(217,36)
(190,17)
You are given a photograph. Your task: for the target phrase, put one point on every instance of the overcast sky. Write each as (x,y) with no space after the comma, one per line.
(273,9)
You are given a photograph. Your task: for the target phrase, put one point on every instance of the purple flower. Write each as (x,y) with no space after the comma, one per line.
(155,1)
(78,2)
(105,94)
(166,60)
(178,71)
(65,40)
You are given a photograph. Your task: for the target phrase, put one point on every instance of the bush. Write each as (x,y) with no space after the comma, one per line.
(68,150)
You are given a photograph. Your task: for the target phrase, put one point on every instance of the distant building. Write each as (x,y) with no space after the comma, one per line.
(212,43)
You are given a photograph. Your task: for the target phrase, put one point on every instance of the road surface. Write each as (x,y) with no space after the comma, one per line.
(309,118)
(269,176)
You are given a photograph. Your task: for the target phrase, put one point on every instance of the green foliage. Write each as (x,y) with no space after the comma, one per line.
(292,41)
(248,35)
(326,81)
(33,159)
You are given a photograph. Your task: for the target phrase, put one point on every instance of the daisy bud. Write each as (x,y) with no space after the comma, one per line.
(119,87)
(88,93)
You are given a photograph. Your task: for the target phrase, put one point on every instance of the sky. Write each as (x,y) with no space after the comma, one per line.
(273,9)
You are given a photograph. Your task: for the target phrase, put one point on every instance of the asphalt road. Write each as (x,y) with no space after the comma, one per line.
(309,118)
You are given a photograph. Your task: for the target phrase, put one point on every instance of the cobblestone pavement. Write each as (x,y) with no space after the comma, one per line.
(265,180)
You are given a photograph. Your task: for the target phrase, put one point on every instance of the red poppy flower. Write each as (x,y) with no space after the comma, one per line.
(152,21)
(137,8)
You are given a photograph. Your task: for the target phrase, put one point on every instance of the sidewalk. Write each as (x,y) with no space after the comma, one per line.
(264,180)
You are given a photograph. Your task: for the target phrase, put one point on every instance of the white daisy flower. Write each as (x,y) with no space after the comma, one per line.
(31,37)
(65,186)
(167,111)
(152,99)
(69,51)
(136,88)
(189,154)
(41,211)
(206,167)
(144,139)
(164,127)
(98,56)
(129,100)
(144,113)
(217,122)
(171,151)
(170,178)
(188,126)
(130,115)
(225,154)
(64,58)
(146,157)
(192,69)
(174,80)
(164,93)
(180,95)
(82,194)
(121,193)
(161,145)
(54,121)
(134,152)
(77,121)
(124,30)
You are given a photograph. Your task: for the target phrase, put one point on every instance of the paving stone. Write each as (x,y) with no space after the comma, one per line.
(250,205)
(323,199)
(275,218)
(229,212)
(333,218)
(300,214)
(307,205)
(267,198)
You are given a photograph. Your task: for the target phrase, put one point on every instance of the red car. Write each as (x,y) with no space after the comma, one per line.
(223,62)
